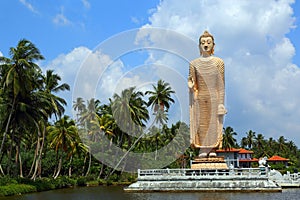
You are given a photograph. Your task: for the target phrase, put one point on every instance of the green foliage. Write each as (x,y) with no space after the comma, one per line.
(82,181)
(113,178)
(63,182)
(10,186)
(41,184)
(28,99)
(44,184)
(127,177)
(13,189)
(278,166)
(6,180)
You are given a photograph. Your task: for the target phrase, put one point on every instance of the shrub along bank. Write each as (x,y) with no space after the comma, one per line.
(13,186)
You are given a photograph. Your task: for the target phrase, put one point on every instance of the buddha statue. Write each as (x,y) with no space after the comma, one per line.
(206,88)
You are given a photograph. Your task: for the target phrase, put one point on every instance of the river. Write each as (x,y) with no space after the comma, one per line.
(117,193)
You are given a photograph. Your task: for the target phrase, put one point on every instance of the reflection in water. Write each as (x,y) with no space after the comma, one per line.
(117,193)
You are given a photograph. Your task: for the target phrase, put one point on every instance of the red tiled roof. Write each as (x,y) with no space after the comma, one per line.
(277,158)
(227,150)
(244,151)
(241,151)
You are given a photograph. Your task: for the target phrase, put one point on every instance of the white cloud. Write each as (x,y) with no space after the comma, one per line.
(28,6)
(135,20)
(283,52)
(67,66)
(1,54)
(61,19)
(86,4)
(91,74)
(262,84)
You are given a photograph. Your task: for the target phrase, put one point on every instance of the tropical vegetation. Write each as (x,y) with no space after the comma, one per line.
(42,148)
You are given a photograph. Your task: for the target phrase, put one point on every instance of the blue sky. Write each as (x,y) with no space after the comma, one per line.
(258,40)
(59,26)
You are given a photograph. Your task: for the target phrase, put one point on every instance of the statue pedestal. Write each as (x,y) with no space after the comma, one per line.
(209,163)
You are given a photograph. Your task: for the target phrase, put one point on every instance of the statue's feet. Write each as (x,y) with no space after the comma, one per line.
(203,155)
(212,154)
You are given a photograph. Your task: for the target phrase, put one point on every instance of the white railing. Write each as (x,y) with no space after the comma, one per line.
(204,172)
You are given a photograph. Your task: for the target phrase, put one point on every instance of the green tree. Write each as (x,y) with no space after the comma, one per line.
(281,144)
(244,142)
(259,146)
(50,103)
(129,111)
(64,138)
(51,86)
(228,138)
(79,106)
(20,77)
(250,139)
(89,114)
(160,97)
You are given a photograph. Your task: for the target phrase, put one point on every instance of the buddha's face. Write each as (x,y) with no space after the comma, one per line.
(206,45)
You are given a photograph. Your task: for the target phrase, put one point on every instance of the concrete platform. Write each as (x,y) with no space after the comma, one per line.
(179,180)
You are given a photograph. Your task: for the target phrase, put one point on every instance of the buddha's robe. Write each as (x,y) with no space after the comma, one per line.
(207,102)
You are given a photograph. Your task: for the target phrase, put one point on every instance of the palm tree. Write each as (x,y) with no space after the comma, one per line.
(78,149)
(259,146)
(259,141)
(281,142)
(160,98)
(244,142)
(292,147)
(50,103)
(161,117)
(20,77)
(64,138)
(270,147)
(90,113)
(129,110)
(228,138)
(130,113)
(79,106)
(51,86)
(250,138)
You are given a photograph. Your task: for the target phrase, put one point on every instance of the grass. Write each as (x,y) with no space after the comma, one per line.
(10,186)
(13,189)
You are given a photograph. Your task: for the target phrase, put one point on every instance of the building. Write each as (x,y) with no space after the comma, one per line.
(237,157)
(277,160)
(246,158)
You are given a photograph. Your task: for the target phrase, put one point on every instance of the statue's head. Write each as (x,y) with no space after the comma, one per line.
(206,43)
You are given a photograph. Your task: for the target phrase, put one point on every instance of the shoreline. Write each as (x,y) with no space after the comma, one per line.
(25,186)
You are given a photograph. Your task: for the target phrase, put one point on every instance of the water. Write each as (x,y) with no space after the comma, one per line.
(117,193)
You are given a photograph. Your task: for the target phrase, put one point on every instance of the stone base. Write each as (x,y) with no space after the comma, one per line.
(209,163)
(203,184)
(183,180)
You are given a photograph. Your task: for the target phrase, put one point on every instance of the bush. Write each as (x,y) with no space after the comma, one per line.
(82,181)
(278,166)
(63,182)
(13,189)
(127,177)
(113,178)
(44,184)
(41,184)
(6,180)
(92,183)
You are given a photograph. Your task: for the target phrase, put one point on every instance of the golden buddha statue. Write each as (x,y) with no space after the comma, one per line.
(206,88)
